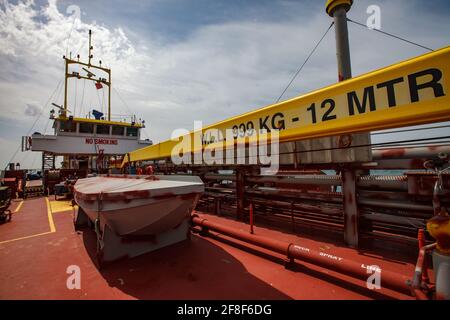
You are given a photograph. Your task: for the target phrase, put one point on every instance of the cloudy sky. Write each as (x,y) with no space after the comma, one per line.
(176,61)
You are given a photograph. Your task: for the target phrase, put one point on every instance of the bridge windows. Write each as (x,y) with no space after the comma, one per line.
(103,129)
(86,127)
(89,128)
(68,126)
(132,132)
(118,131)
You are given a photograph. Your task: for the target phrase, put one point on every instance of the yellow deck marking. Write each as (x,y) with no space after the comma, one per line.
(50,217)
(50,222)
(61,206)
(26,237)
(18,207)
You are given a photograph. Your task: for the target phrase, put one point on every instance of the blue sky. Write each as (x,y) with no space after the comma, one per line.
(174,20)
(176,61)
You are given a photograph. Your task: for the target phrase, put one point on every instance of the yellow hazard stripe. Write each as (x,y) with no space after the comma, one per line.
(412,92)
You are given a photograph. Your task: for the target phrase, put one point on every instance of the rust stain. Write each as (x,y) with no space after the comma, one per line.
(393,152)
(349,198)
(354,225)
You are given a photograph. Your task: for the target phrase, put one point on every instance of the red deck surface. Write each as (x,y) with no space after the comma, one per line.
(33,264)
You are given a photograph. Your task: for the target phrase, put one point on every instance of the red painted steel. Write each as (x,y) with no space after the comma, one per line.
(351,212)
(202,268)
(420,270)
(420,295)
(421,242)
(359,270)
(251,218)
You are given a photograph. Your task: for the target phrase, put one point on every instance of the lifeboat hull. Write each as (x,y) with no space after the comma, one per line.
(138,206)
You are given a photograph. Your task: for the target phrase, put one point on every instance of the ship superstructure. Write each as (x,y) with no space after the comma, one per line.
(94,142)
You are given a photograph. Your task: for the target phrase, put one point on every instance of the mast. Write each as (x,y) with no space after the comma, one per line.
(338,11)
(109,97)
(90,76)
(90,47)
(64,113)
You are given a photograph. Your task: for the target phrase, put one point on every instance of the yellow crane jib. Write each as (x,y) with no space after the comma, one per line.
(411,92)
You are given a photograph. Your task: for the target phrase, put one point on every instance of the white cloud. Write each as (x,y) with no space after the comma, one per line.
(32,110)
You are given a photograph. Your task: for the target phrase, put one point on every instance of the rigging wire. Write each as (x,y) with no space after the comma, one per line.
(130,112)
(390,144)
(381,144)
(407,144)
(396,144)
(424,143)
(124,102)
(76,93)
(34,123)
(304,63)
(390,35)
(34,160)
(42,110)
(410,130)
(70,34)
(415,145)
(24,157)
(279,98)
(103,100)
(82,99)
(99,102)
(46,125)
(81,47)
(91,103)
(59,93)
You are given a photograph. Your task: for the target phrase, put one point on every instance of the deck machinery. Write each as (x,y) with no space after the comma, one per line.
(328,129)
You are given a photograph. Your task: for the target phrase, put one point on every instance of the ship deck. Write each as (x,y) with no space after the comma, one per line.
(40,243)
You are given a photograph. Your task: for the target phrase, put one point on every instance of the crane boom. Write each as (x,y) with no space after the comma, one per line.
(411,92)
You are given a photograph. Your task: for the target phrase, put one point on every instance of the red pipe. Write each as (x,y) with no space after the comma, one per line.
(263,242)
(420,265)
(421,242)
(420,295)
(251,218)
(421,238)
(355,269)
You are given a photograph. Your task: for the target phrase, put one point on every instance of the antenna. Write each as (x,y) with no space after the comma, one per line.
(89,73)
(90,47)
(61,108)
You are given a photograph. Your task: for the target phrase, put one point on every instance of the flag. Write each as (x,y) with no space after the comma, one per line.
(98,85)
